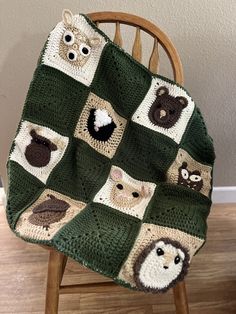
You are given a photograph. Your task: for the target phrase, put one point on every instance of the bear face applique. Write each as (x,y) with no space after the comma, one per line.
(75,46)
(160,265)
(38,152)
(190,179)
(48,212)
(166,109)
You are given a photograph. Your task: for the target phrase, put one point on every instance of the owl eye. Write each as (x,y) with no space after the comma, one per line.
(184,173)
(72,55)
(68,38)
(135,194)
(160,252)
(84,50)
(195,178)
(177,259)
(119,186)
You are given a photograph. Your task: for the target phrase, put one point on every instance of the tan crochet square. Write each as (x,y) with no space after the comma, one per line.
(38,232)
(149,233)
(107,148)
(174,173)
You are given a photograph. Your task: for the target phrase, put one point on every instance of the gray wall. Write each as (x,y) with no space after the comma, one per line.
(203,31)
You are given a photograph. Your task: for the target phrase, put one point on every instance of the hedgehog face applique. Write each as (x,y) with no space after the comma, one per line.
(166,109)
(160,265)
(48,212)
(76,46)
(190,179)
(38,152)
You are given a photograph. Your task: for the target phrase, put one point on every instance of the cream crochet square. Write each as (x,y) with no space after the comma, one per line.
(123,199)
(141,114)
(51,56)
(23,142)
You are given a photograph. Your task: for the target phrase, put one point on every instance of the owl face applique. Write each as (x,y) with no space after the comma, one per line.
(190,179)
(75,46)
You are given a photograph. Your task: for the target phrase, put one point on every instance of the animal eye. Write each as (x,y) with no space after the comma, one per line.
(68,38)
(72,55)
(84,49)
(119,186)
(195,178)
(160,252)
(177,259)
(171,111)
(135,194)
(184,173)
(44,143)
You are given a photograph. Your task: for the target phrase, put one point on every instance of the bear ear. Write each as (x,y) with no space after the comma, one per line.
(162,91)
(183,101)
(53,146)
(184,165)
(67,17)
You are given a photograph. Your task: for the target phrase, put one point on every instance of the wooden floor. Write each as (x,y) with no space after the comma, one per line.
(211,283)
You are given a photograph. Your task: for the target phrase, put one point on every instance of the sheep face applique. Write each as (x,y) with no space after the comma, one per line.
(160,265)
(100,124)
(48,212)
(38,152)
(166,109)
(190,179)
(75,46)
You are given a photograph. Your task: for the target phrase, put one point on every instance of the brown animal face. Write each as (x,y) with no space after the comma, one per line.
(125,195)
(38,152)
(75,46)
(48,212)
(166,109)
(190,179)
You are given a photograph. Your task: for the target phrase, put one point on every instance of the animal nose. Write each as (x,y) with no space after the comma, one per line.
(166,267)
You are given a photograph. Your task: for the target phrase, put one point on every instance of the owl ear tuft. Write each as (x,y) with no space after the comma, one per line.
(184,165)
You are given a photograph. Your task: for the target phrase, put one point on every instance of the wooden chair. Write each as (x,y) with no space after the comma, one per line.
(57,261)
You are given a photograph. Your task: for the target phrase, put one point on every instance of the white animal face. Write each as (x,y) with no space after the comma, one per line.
(160,265)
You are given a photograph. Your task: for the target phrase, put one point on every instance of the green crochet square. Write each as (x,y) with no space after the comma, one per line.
(196,140)
(120,81)
(81,173)
(23,189)
(100,237)
(58,108)
(144,153)
(180,208)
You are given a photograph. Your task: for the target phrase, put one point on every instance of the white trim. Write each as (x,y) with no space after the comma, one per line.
(224,194)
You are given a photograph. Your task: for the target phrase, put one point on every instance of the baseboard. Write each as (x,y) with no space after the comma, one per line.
(220,194)
(224,194)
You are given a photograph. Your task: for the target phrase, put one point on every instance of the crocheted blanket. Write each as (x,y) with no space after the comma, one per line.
(110,165)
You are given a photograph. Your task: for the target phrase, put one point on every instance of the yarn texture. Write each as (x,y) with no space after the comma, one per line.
(111,164)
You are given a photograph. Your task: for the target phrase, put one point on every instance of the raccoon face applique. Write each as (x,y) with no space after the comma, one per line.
(160,265)
(48,212)
(190,179)
(75,46)
(166,109)
(38,152)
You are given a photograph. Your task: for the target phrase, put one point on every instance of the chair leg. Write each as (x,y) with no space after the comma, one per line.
(56,266)
(180,297)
